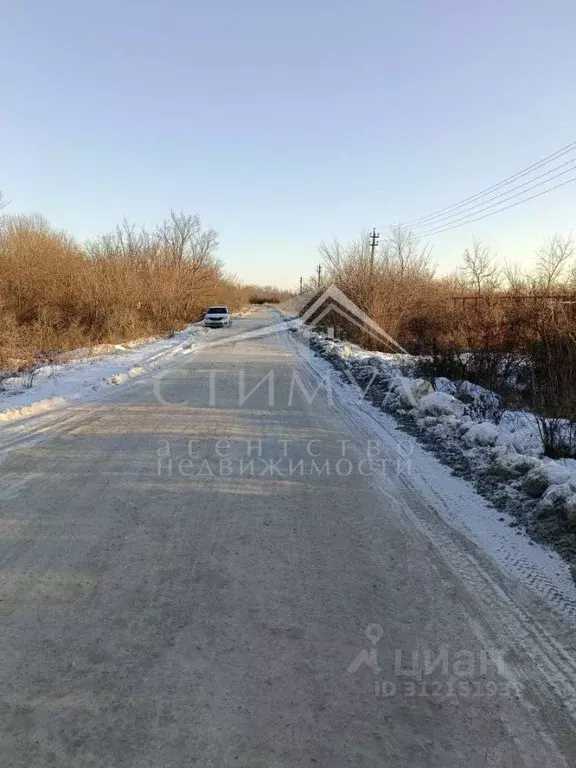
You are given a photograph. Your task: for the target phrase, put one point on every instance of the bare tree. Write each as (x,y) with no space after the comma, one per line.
(514,276)
(333,258)
(134,245)
(340,260)
(571,277)
(184,240)
(178,256)
(29,222)
(480,270)
(126,244)
(553,258)
(402,252)
(188,251)
(348,266)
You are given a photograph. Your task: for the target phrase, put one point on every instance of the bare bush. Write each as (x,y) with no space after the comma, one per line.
(553,392)
(56,295)
(266,294)
(391,288)
(503,329)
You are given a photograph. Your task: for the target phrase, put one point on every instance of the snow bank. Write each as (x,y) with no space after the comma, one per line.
(497,532)
(570,511)
(494,448)
(440,404)
(88,371)
(543,476)
(486,433)
(409,391)
(513,465)
(554,499)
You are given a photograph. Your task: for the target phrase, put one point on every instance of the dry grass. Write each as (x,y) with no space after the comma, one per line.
(56,295)
(508,331)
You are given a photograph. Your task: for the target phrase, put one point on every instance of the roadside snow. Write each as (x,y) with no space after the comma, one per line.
(543,476)
(514,465)
(409,391)
(87,371)
(455,501)
(440,404)
(484,434)
(465,425)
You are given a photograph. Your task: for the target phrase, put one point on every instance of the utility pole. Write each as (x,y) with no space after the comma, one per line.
(373,243)
(319,271)
(301,279)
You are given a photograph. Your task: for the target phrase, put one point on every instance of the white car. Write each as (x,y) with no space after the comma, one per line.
(217,317)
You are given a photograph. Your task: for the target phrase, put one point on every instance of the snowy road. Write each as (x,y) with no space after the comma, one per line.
(208,569)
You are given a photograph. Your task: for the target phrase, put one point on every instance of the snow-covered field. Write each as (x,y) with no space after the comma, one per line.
(86,372)
(500,453)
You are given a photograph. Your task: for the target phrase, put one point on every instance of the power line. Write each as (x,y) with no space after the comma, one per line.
(451,218)
(483,208)
(520,174)
(494,187)
(506,208)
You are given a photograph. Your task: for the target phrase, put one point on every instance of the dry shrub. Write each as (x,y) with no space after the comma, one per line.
(516,341)
(266,294)
(552,391)
(56,295)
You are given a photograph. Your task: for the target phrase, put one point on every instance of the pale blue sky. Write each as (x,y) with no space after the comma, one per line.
(283,124)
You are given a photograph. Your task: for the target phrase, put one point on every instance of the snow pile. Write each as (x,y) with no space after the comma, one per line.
(570,511)
(510,466)
(408,392)
(486,433)
(440,404)
(120,378)
(554,499)
(89,354)
(543,476)
(87,371)
(466,425)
